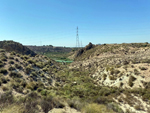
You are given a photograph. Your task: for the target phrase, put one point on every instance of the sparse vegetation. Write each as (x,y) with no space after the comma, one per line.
(145,61)
(1,64)
(11,57)
(95,108)
(143,68)
(14,74)
(131,79)
(42,84)
(4,88)
(136,72)
(11,68)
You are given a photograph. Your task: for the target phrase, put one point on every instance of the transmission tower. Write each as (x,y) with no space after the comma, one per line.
(77,39)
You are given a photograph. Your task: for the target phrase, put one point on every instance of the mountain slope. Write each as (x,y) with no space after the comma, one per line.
(122,66)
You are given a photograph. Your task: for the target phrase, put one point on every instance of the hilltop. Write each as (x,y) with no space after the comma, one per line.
(17,47)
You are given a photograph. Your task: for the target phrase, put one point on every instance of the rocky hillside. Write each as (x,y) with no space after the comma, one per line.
(17,47)
(93,51)
(17,70)
(39,84)
(109,78)
(122,65)
(125,66)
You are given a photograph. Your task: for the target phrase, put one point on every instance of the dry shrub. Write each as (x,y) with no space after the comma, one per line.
(14,74)
(6,98)
(115,107)
(49,103)
(131,79)
(96,108)
(76,103)
(4,88)
(101,100)
(4,71)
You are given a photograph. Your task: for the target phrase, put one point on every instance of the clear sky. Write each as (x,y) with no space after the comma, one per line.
(54,22)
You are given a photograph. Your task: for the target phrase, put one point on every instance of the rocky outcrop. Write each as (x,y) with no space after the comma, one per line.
(89,46)
(81,51)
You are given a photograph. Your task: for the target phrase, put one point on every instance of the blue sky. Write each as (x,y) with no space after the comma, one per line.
(54,22)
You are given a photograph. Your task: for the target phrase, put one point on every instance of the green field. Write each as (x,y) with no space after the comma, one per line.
(70,61)
(58,56)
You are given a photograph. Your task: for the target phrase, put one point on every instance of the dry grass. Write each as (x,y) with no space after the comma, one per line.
(96,108)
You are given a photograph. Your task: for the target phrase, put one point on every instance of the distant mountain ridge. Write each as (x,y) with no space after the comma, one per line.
(17,47)
(50,48)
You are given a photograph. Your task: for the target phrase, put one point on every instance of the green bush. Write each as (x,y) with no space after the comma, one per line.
(3,58)
(115,107)
(18,55)
(104,76)
(15,85)
(112,77)
(15,74)
(76,103)
(44,92)
(11,68)
(22,57)
(131,79)
(39,89)
(136,72)
(145,61)
(121,84)
(3,80)
(1,64)
(30,61)
(11,57)
(1,61)
(4,71)
(32,86)
(33,73)
(39,64)
(102,100)
(13,53)
(30,103)
(137,107)
(116,72)
(4,88)
(16,59)
(26,57)
(23,83)
(96,108)
(28,69)
(143,68)
(49,103)
(18,66)
(11,62)
(40,84)
(45,69)
(42,74)
(6,98)
(2,50)
(19,89)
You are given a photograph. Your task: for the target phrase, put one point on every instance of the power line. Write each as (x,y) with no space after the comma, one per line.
(81,43)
